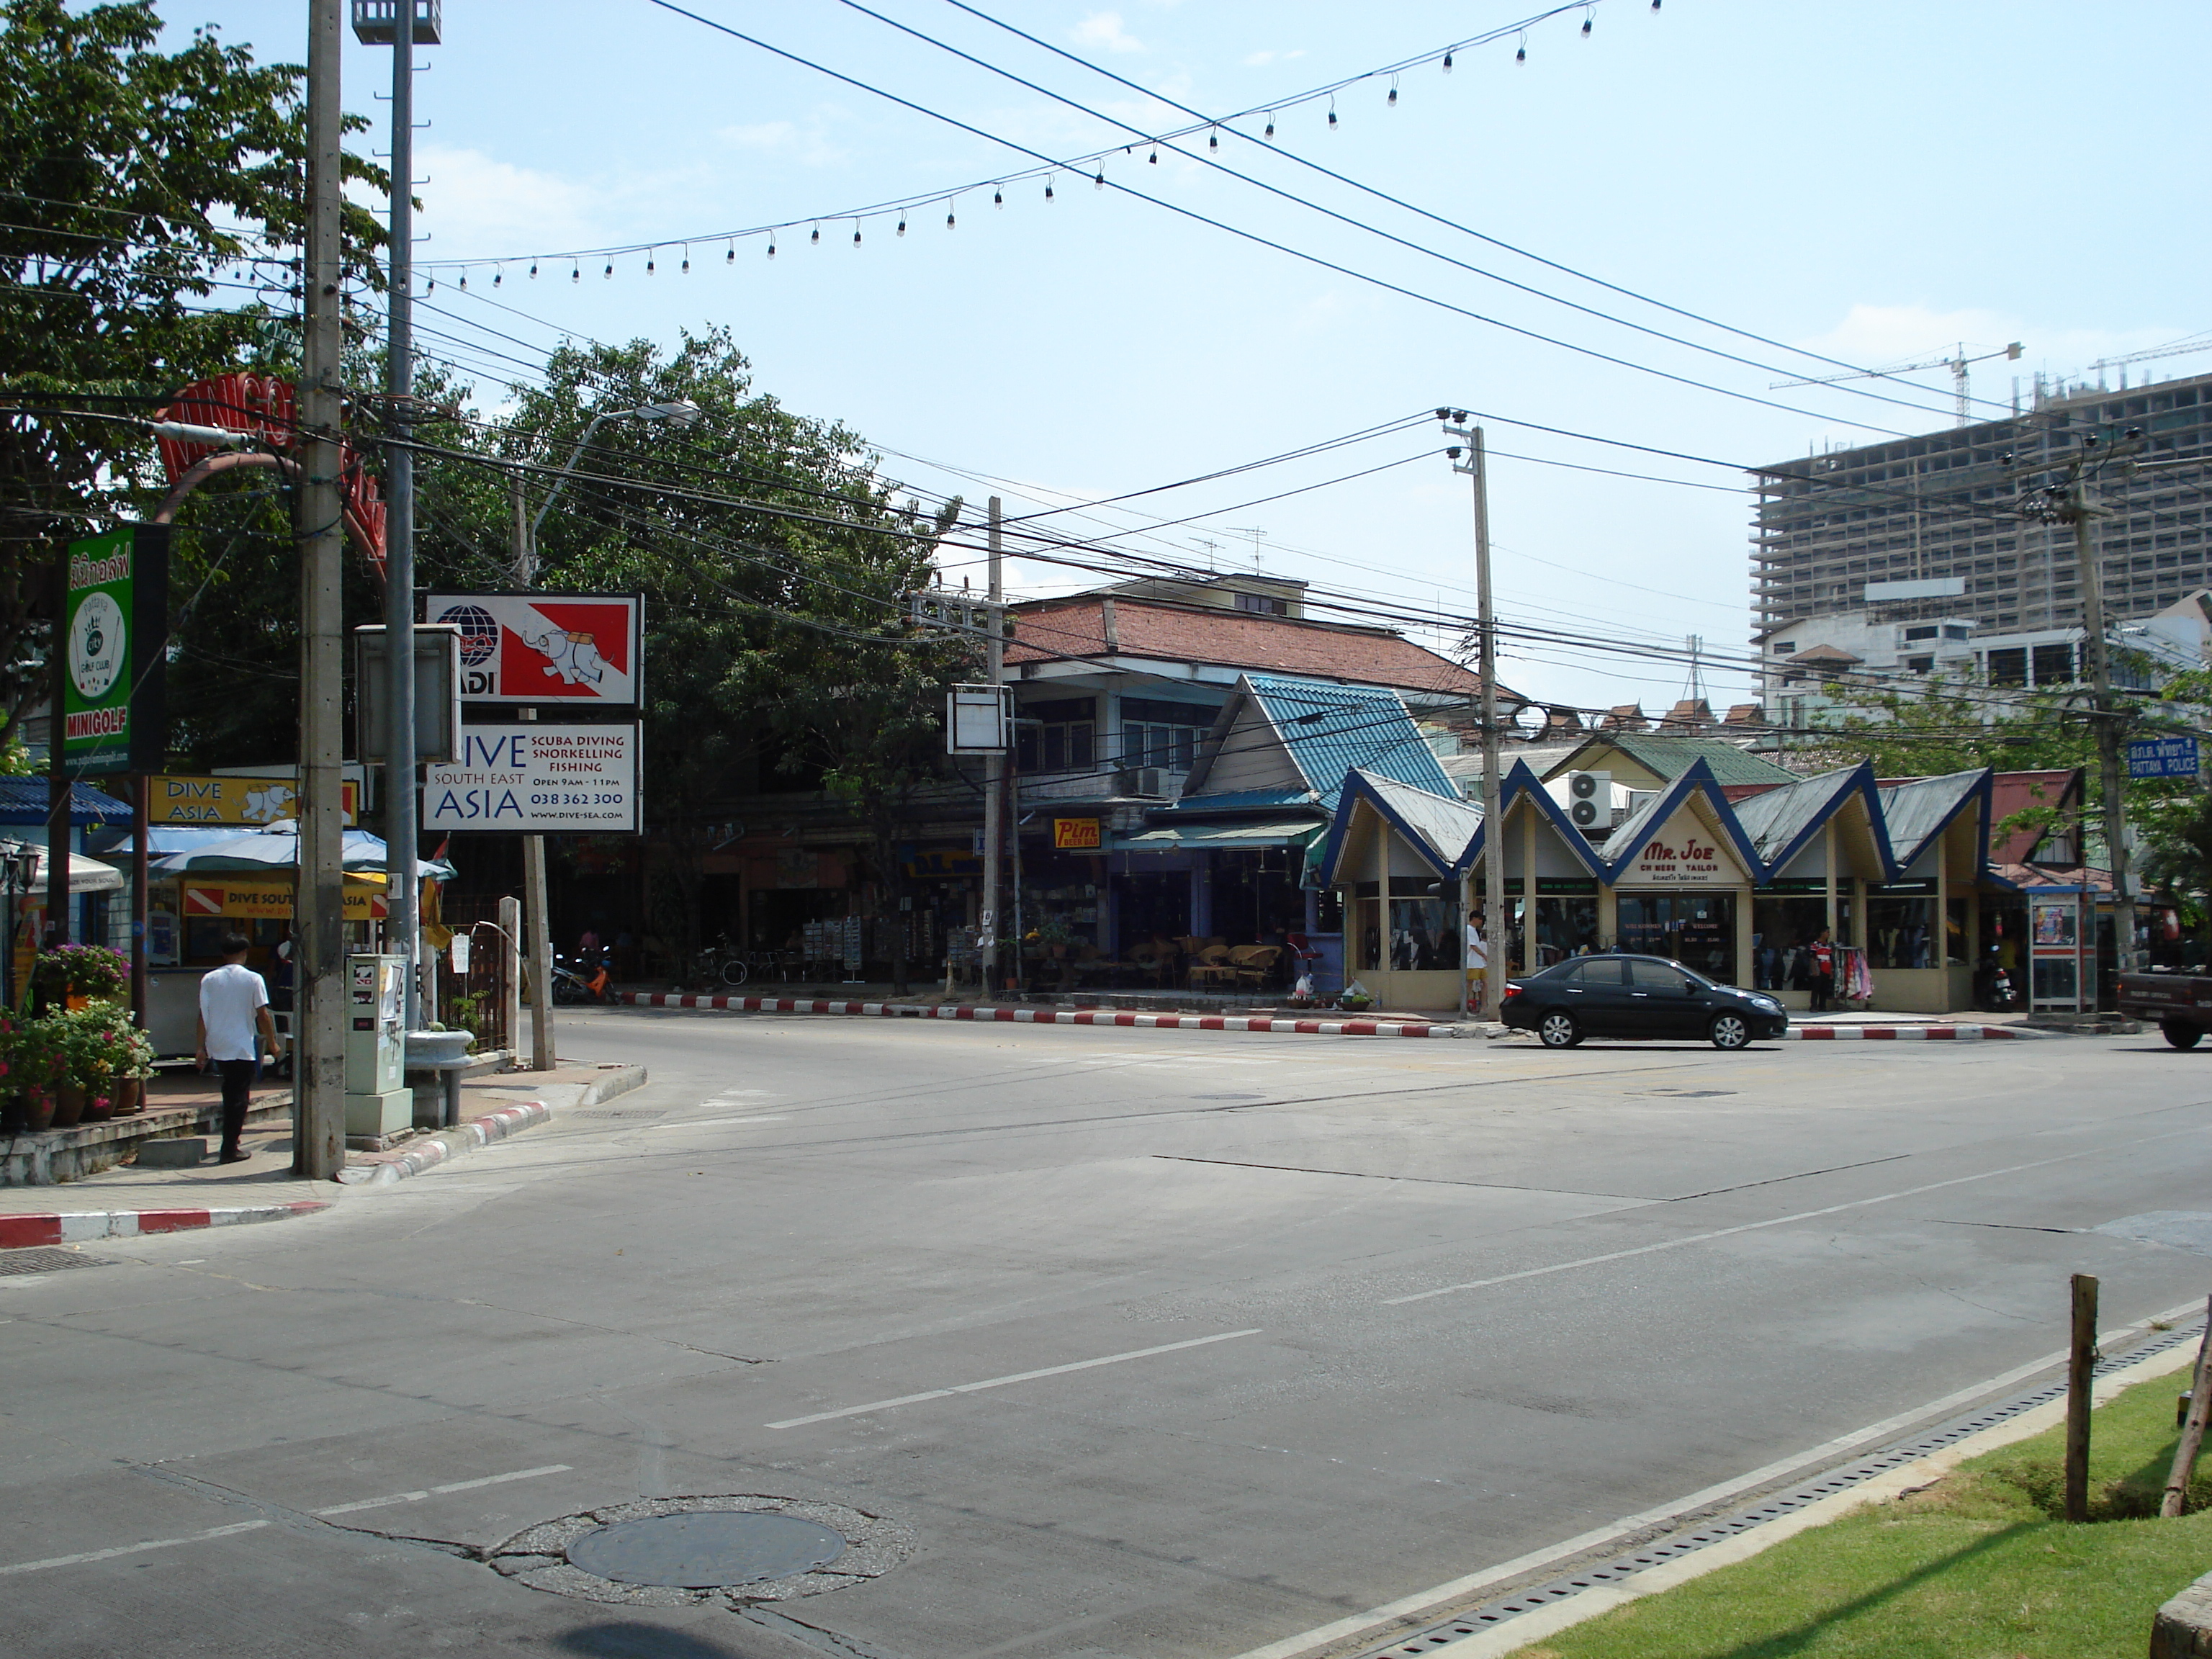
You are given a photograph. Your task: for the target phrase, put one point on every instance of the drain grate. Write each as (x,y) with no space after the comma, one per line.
(45,1259)
(1494,1614)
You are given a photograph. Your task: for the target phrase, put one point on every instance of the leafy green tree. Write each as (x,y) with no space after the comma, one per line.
(145,199)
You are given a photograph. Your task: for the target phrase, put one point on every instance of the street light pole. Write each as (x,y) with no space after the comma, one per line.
(994,771)
(1495,966)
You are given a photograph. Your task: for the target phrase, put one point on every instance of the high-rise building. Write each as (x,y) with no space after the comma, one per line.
(1929,526)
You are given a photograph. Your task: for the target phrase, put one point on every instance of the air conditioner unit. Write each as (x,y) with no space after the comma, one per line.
(1589,800)
(1638,801)
(1140,781)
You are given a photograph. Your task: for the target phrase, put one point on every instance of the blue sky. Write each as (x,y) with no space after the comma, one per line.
(1876,182)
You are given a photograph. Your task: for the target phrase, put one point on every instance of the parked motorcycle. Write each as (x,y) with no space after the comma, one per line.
(576,984)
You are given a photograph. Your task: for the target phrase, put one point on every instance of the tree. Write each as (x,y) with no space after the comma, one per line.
(141,190)
(774,568)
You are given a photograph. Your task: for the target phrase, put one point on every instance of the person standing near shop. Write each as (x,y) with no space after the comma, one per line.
(1822,979)
(1477,963)
(235,1029)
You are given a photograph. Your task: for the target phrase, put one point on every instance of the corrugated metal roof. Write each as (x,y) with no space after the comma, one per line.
(23,800)
(1671,757)
(1775,818)
(1247,837)
(1444,824)
(1914,811)
(1331,729)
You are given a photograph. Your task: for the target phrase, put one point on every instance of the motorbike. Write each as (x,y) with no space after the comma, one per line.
(577,983)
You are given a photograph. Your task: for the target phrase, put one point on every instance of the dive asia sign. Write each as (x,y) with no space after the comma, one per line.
(550,779)
(115,628)
(546,648)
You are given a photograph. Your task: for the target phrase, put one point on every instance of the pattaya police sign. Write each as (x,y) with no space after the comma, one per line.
(114,638)
(567,778)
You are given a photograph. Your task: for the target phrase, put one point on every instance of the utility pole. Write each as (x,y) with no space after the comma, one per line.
(1495,967)
(319,1016)
(2069,504)
(539,925)
(403,894)
(994,770)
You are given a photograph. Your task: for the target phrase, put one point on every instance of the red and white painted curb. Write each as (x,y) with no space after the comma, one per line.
(75,1226)
(1908,1034)
(1386,1027)
(382,1169)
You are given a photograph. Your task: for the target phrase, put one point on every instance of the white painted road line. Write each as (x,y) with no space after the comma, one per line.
(1754,1226)
(132,1549)
(1001,1381)
(450,1487)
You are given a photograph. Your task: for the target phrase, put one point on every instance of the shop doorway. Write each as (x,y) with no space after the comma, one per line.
(1695,929)
(1150,903)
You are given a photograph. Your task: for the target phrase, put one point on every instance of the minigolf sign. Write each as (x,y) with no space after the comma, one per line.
(574,648)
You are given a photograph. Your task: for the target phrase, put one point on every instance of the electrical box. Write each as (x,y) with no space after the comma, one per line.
(378,1101)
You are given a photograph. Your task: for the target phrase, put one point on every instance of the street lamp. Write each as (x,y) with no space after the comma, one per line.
(680,413)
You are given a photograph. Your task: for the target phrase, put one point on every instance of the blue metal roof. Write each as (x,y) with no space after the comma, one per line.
(1331,728)
(24,800)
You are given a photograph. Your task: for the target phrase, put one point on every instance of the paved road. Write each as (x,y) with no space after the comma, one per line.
(1374,1315)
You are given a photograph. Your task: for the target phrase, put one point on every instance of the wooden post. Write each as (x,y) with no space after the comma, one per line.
(2080,1369)
(2192,1427)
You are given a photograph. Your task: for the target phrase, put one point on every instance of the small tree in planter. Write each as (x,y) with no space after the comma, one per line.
(35,1063)
(97,1047)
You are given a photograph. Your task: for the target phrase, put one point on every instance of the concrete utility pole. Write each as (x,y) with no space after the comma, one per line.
(2069,504)
(540,925)
(319,1012)
(1493,787)
(995,775)
(403,895)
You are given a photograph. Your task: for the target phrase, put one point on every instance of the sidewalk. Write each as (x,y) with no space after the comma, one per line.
(127,1200)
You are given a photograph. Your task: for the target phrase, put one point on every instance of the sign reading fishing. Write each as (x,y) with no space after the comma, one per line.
(547,647)
(571,779)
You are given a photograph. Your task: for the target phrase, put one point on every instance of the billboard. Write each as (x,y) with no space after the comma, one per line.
(2162,758)
(115,629)
(212,802)
(547,647)
(571,778)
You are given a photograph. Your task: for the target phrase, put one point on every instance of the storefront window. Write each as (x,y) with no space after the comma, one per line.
(1901,931)
(1782,925)
(1424,933)
(1954,934)
(1695,929)
(1565,927)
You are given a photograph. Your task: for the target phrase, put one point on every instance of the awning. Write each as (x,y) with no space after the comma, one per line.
(1220,837)
(85,876)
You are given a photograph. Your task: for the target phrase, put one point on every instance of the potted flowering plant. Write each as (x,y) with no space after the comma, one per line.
(35,1067)
(74,975)
(96,1049)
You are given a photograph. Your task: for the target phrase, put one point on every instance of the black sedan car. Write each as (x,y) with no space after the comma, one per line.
(1637,997)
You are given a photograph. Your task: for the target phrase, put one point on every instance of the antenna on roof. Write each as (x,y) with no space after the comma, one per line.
(1256,532)
(1694,691)
(1210,547)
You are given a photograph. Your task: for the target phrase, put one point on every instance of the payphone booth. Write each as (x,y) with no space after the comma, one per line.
(378,1102)
(2062,943)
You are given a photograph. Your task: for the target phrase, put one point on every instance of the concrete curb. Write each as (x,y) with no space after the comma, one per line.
(384,1170)
(1385,1027)
(1911,1033)
(608,1084)
(75,1226)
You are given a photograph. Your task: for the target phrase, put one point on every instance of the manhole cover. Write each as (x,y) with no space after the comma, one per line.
(696,1551)
(42,1260)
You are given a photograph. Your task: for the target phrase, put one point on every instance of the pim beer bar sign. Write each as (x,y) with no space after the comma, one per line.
(115,631)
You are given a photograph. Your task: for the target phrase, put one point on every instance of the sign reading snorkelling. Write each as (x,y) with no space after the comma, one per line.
(547,647)
(537,780)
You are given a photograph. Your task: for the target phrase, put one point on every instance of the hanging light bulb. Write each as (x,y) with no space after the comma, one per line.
(1448,62)
(1099,183)
(1213,139)
(948,216)
(433,286)
(684,270)
(817,238)
(1047,189)
(901,224)
(731,258)
(648,262)
(497,275)
(1154,158)
(1521,54)
(771,245)
(610,271)
(1587,20)
(856,233)
(533,268)
(1392,100)
(465,279)
(998,198)
(1332,118)
(1271,124)
(575,273)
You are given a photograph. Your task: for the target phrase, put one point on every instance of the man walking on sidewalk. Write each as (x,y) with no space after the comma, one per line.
(234,1030)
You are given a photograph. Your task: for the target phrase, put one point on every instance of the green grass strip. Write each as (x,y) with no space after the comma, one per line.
(1978,1565)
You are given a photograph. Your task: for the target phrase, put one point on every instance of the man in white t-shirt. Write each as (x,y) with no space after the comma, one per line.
(1477,963)
(235,1029)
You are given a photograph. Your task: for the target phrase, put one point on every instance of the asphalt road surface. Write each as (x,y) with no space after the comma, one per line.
(1156,1342)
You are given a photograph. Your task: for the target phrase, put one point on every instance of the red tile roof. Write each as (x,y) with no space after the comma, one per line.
(1053,629)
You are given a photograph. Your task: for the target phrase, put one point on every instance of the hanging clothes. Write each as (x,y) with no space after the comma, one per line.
(1854,978)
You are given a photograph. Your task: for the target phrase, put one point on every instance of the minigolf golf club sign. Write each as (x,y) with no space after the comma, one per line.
(563,648)
(115,628)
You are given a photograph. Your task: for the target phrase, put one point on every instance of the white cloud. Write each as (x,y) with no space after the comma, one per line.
(473,201)
(762,135)
(1103,30)
(809,145)
(1261,59)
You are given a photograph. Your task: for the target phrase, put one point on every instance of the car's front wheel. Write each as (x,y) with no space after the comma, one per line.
(1559,1031)
(1729,1032)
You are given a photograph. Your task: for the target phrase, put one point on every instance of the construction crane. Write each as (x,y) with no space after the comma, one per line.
(1957,363)
(2195,342)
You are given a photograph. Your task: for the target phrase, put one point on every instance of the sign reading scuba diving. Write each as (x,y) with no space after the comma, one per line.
(537,780)
(547,647)
(115,640)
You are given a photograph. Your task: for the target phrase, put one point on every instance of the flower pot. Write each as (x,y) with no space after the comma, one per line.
(69,1105)
(130,1095)
(38,1108)
(99,1102)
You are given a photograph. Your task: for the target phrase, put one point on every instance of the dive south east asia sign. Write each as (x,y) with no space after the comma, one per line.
(537,779)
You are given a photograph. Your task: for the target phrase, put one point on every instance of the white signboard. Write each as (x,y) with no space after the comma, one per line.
(546,648)
(1682,853)
(532,779)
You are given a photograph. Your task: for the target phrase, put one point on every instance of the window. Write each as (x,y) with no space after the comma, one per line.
(1066,739)
(1911,633)
(2009,667)
(2054,664)
(1600,971)
(1920,664)
(1267,605)
(1654,976)
(1955,631)
(1164,734)
(1785,647)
